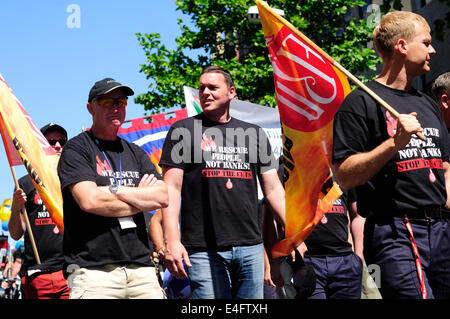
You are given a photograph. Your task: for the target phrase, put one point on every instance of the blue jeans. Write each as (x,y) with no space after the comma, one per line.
(237,272)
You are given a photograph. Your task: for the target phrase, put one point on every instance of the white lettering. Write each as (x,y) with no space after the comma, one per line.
(408,153)
(300,98)
(309,67)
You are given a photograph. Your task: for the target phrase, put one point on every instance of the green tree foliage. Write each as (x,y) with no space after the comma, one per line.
(222,35)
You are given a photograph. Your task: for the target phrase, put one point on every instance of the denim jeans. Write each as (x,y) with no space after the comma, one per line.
(237,272)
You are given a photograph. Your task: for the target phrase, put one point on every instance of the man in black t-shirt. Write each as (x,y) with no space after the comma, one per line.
(401,180)
(107,183)
(211,163)
(337,267)
(42,280)
(441,92)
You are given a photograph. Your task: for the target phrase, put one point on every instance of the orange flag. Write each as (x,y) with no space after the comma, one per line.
(11,152)
(30,145)
(309,90)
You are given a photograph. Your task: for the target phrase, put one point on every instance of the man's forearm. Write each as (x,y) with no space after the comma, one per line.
(98,200)
(170,217)
(173,177)
(145,198)
(111,206)
(357,229)
(156,232)
(358,168)
(16,224)
(277,202)
(274,194)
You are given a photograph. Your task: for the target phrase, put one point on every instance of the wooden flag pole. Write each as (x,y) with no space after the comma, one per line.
(336,64)
(27,221)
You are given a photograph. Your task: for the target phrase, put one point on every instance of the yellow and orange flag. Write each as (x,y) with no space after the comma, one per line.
(309,90)
(25,144)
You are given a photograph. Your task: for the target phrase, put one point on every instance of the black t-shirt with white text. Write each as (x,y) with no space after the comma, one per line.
(48,239)
(94,240)
(221,163)
(330,236)
(414,177)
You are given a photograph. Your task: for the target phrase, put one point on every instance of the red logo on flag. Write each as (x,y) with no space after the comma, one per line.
(308,89)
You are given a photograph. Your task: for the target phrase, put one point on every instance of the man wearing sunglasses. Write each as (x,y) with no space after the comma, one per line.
(44,280)
(107,184)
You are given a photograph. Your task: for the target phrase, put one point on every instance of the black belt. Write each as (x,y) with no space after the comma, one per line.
(424,213)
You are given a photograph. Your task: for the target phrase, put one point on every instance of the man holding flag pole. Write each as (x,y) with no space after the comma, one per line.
(26,145)
(42,276)
(306,86)
(402,182)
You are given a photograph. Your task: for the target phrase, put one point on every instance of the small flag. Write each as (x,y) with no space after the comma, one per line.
(150,136)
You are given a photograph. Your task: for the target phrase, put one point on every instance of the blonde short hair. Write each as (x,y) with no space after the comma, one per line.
(393,26)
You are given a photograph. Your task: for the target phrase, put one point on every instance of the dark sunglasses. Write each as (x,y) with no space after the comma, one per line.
(111,102)
(61,142)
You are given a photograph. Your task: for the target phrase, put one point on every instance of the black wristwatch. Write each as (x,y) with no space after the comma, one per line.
(113,188)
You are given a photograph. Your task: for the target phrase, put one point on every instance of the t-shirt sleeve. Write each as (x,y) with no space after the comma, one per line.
(350,128)
(445,136)
(267,160)
(26,185)
(75,165)
(177,145)
(351,196)
(446,145)
(445,148)
(21,183)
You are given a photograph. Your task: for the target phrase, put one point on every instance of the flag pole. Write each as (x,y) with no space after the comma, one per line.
(353,78)
(5,135)
(27,221)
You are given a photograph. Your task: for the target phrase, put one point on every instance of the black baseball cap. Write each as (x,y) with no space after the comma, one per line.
(50,127)
(107,85)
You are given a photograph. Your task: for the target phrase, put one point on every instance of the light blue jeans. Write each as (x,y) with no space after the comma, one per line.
(234,273)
